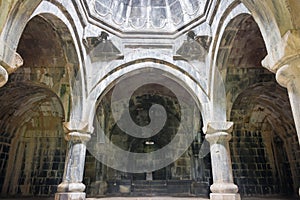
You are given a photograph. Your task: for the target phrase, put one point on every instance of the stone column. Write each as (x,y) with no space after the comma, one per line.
(72,187)
(218,134)
(289,76)
(284,60)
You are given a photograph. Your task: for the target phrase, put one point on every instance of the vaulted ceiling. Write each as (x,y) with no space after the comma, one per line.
(146,15)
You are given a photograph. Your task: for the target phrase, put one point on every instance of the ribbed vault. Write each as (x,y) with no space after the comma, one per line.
(146,15)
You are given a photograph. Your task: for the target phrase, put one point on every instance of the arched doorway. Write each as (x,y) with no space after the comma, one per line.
(176,178)
(33,104)
(253,98)
(32,140)
(265,131)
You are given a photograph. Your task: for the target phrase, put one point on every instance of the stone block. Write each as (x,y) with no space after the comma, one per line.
(224,196)
(200,189)
(70,196)
(125,188)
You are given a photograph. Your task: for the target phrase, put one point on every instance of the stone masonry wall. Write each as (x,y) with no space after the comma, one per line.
(32,162)
(4,154)
(251,168)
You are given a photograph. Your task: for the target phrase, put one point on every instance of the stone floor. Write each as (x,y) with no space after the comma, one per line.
(185,198)
(161,198)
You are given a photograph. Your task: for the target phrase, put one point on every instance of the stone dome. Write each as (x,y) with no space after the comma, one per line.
(146,15)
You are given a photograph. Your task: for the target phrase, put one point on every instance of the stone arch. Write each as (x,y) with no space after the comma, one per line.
(176,73)
(60,22)
(274,99)
(279,26)
(32,138)
(241,49)
(167,173)
(266,21)
(270,27)
(57,65)
(64,21)
(226,43)
(217,88)
(14,27)
(264,138)
(60,70)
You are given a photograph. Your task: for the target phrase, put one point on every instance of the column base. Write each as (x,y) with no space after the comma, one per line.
(70,196)
(225,196)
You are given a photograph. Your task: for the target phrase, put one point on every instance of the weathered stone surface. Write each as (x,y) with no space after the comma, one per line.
(3,76)
(70,196)
(214,196)
(64,57)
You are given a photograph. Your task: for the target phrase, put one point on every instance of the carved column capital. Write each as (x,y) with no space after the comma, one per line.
(3,76)
(13,63)
(286,51)
(17,62)
(213,127)
(77,131)
(217,131)
(288,73)
(9,67)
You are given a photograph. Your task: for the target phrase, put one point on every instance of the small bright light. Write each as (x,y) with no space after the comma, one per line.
(149,142)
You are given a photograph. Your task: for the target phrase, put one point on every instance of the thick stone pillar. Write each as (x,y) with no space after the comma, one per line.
(289,76)
(284,60)
(218,134)
(72,187)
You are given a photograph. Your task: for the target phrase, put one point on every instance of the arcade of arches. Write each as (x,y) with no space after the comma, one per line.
(234,114)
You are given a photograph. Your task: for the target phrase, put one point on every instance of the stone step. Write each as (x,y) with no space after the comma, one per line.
(152,182)
(162,188)
(144,187)
(149,187)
